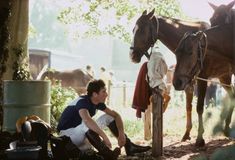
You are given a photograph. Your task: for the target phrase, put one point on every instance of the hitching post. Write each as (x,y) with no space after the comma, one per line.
(157,101)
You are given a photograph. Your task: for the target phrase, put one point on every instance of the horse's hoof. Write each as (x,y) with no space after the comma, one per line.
(185,138)
(200,143)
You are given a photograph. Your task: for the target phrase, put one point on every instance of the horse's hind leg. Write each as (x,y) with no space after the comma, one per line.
(227,110)
(225,116)
(228,120)
(189,98)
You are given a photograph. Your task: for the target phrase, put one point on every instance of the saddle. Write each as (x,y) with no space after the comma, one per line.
(63,148)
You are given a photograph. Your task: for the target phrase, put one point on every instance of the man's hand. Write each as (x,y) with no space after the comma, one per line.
(121,139)
(107,142)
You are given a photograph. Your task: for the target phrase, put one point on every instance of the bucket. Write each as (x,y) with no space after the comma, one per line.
(23,98)
(24,153)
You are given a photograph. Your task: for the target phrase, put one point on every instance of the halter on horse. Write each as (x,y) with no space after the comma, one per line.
(153,35)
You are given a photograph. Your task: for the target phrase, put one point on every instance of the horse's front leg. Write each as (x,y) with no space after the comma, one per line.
(189,98)
(200,103)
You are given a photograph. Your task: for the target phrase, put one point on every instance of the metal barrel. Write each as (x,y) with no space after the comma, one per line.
(23,98)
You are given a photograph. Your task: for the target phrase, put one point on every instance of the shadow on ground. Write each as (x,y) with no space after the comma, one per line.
(215,149)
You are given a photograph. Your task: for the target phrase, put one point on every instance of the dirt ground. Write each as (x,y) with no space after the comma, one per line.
(217,148)
(174,128)
(174,149)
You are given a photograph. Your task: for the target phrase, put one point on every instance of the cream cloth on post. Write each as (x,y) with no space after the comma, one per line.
(157,69)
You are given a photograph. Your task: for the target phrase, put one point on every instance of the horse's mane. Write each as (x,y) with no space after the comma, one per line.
(187,34)
(184,22)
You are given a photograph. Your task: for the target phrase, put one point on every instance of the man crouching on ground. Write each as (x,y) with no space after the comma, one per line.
(77,123)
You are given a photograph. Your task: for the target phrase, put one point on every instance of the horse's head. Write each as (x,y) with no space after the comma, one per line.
(145,35)
(190,55)
(222,14)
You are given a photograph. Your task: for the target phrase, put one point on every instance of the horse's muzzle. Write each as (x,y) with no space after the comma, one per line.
(133,56)
(180,83)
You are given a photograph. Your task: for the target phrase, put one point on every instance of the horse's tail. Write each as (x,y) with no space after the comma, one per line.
(44,75)
(41,75)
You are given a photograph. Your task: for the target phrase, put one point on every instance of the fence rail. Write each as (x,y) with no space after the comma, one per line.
(120,93)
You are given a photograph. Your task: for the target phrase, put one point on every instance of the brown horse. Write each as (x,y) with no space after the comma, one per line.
(218,62)
(223,14)
(207,54)
(77,79)
(169,31)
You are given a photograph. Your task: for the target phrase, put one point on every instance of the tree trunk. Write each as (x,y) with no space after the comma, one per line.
(14,42)
(17,65)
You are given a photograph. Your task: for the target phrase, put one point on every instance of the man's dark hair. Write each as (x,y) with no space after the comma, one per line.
(95,86)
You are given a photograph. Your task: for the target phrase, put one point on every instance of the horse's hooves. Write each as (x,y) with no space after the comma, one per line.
(200,143)
(185,138)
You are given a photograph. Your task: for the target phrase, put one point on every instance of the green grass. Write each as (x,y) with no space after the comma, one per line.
(133,128)
(174,119)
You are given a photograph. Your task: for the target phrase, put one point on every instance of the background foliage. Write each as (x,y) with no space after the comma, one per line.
(60,97)
(89,18)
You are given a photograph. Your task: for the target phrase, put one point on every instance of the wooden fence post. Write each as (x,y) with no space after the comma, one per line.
(124,93)
(157,101)
(147,123)
(109,92)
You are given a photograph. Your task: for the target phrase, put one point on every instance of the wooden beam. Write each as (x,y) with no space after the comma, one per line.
(157,101)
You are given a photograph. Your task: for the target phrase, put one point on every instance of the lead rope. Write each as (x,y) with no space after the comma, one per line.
(232,86)
(207,80)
